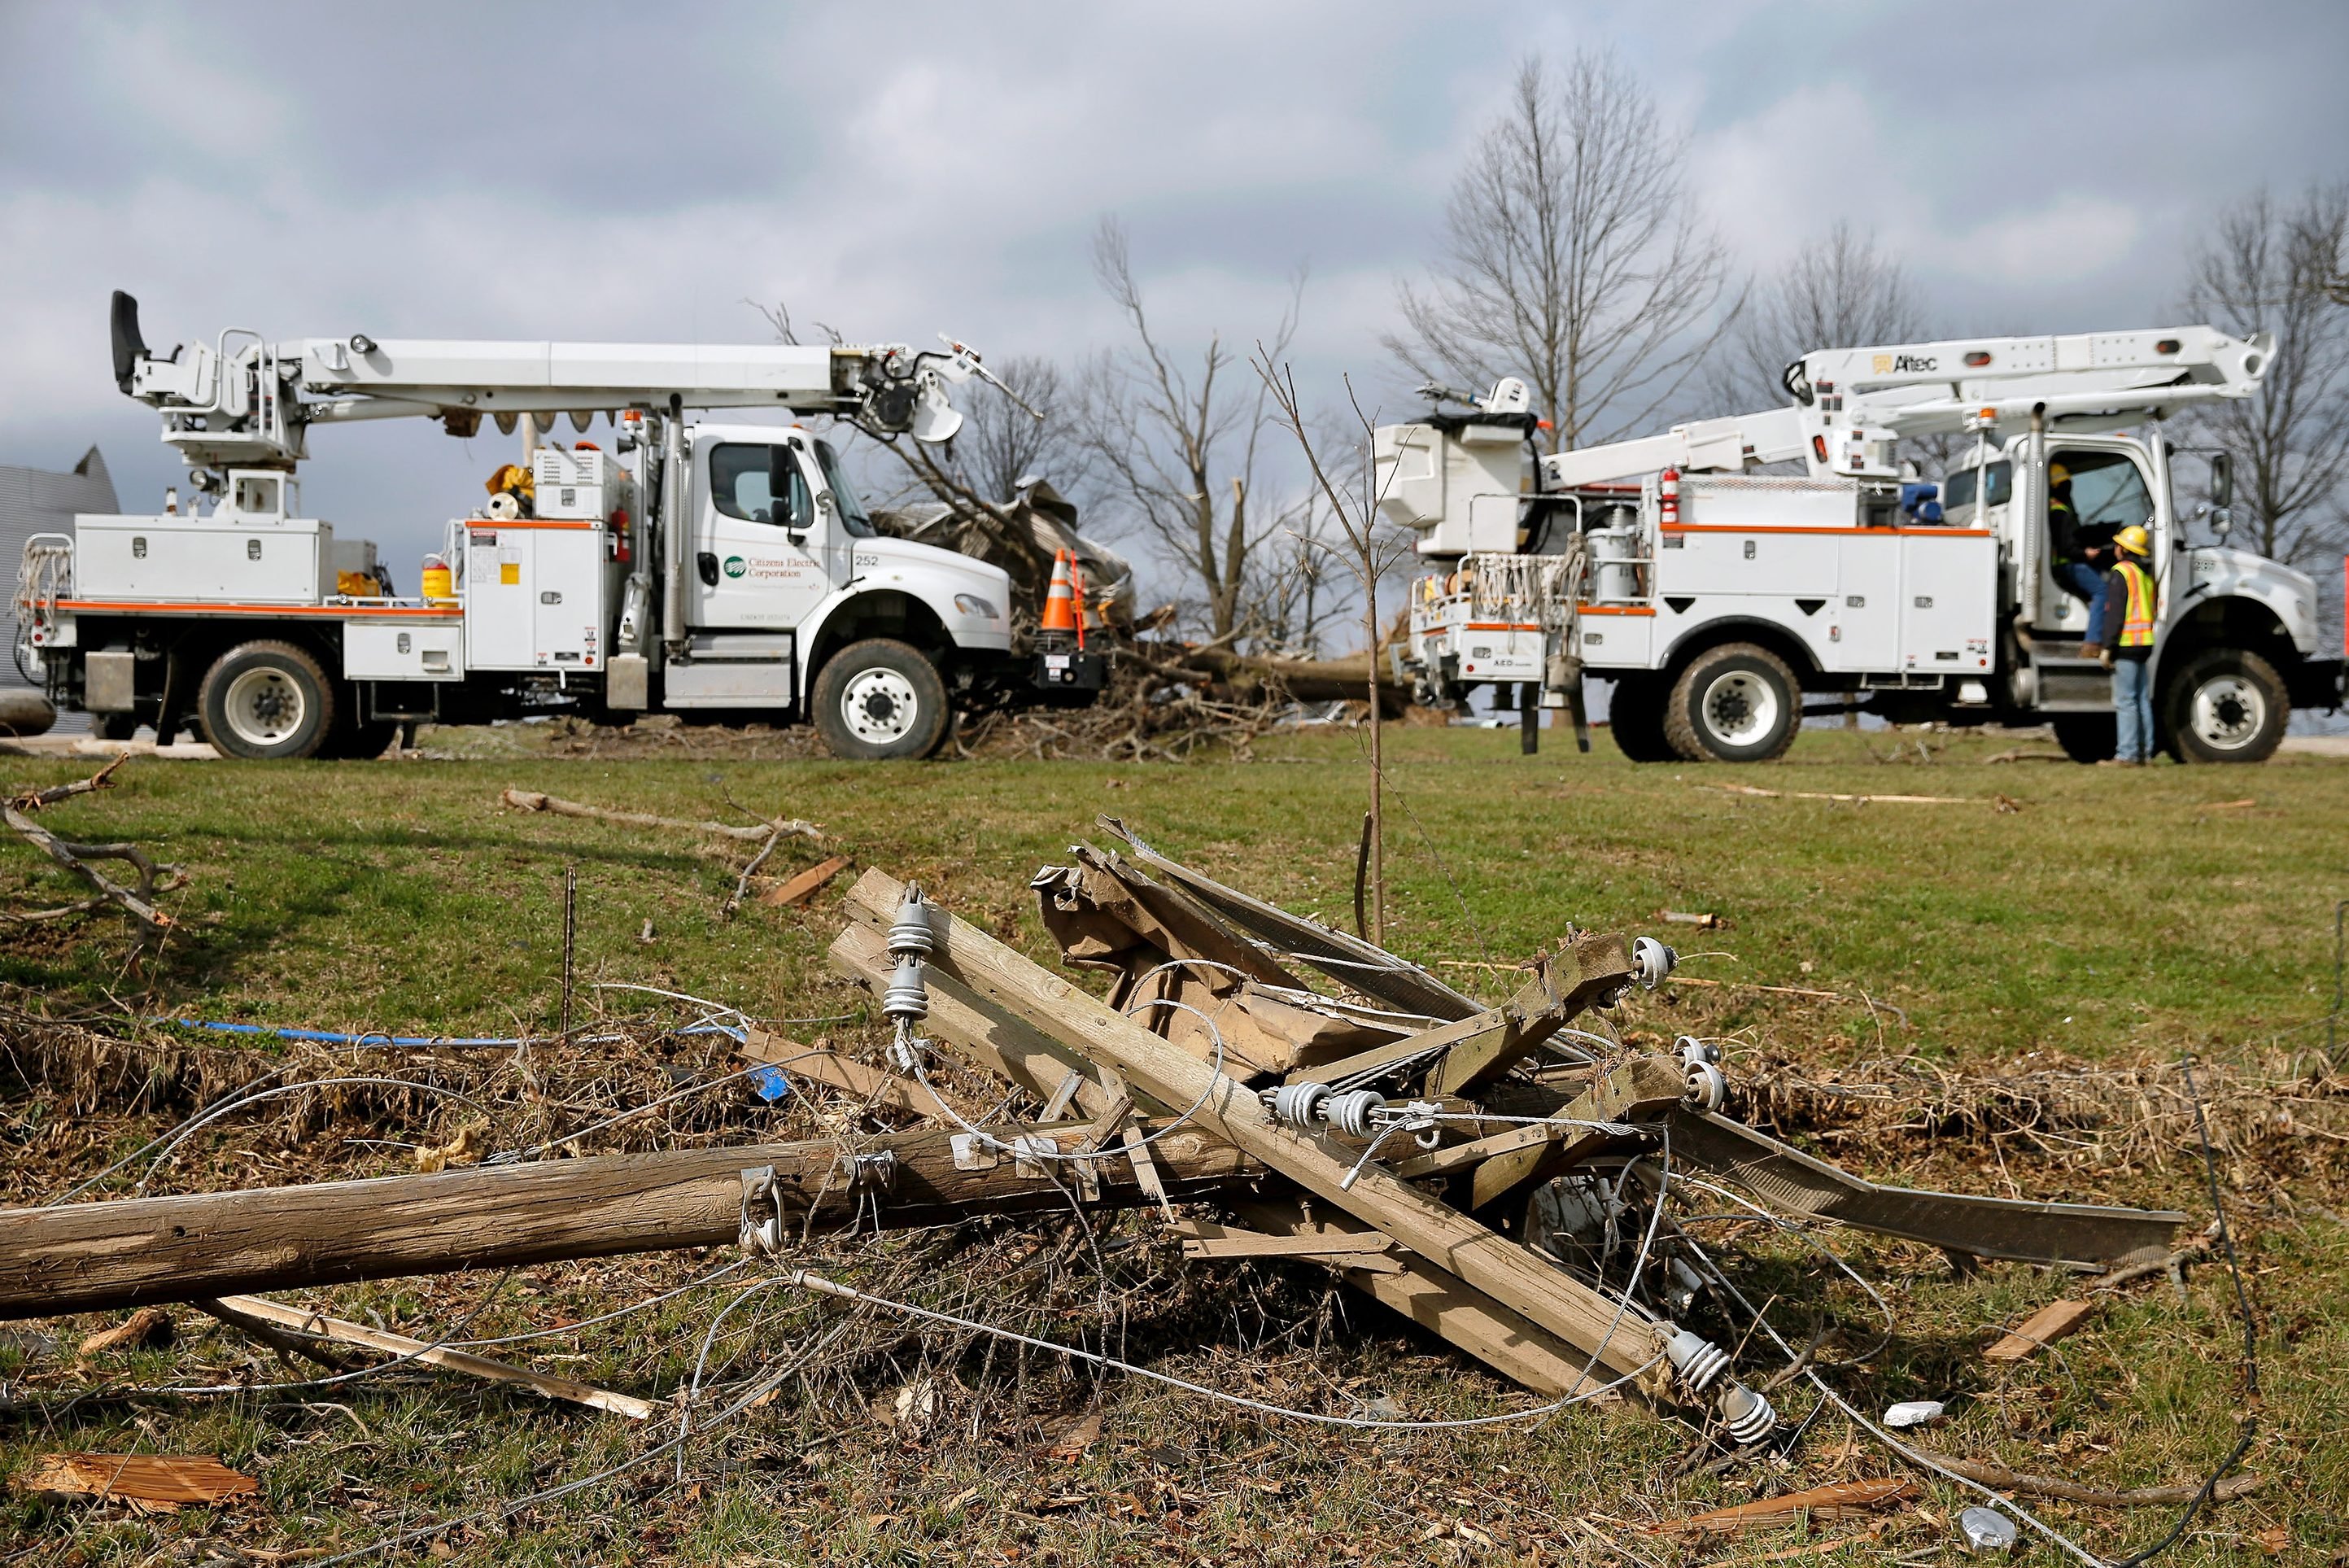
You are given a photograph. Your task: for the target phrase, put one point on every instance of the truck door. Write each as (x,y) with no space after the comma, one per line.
(758,558)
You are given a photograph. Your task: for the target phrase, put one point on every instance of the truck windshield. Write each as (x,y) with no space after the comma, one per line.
(843,494)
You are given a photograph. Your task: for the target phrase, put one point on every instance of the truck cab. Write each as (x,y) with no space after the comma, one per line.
(2236,645)
(787,577)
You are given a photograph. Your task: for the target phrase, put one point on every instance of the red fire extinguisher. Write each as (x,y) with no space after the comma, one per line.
(1667,497)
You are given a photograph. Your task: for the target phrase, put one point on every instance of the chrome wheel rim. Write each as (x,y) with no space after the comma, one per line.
(879,706)
(1739,708)
(2229,713)
(265,707)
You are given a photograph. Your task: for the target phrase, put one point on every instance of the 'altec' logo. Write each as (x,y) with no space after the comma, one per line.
(1906,364)
(736,565)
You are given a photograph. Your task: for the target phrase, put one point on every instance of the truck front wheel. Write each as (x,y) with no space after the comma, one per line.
(878,700)
(266,702)
(1734,703)
(2226,706)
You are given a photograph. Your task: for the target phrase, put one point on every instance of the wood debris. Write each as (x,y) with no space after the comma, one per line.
(789,827)
(806,885)
(1840,1499)
(1488,1167)
(151,1483)
(2040,1329)
(148,1326)
(19,813)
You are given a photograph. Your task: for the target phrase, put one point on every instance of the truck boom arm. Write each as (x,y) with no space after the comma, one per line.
(1850,404)
(245,400)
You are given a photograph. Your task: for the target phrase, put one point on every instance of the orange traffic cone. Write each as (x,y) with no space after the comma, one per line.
(1059,600)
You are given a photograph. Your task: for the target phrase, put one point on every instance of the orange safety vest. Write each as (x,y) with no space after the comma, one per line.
(2137,621)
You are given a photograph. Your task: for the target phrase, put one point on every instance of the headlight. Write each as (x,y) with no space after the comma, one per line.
(971,604)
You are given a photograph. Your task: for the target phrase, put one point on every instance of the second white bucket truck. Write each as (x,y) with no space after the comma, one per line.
(1717,600)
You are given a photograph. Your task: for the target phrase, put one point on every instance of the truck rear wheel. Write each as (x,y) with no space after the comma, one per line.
(1734,703)
(878,700)
(2226,706)
(1635,717)
(266,702)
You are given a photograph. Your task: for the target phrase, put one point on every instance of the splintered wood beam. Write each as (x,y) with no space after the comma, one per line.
(317,1325)
(1204,1240)
(870,1085)
(85,1257)
(990,1039)
(1470,1321)
(1623,1339)
(1643,1086)
(1586,970)
(1446,1037)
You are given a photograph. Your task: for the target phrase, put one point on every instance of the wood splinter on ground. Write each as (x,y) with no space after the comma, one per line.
(1840,1499)
(318,1326)
(151,1483)
(2042,1328)
(791,893)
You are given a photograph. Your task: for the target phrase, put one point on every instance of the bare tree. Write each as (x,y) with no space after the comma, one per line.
(1176,444)
(1841,292)
(1351,492)
(2270,268)
(1001,444)
(1574,258)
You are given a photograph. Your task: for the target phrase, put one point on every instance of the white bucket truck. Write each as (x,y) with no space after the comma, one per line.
(1717,600)
(714,570)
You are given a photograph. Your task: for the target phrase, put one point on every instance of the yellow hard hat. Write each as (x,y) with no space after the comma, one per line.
(2058,475)
(2134,540)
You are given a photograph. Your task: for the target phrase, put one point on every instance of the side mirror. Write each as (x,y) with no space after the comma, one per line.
(2223,479)
(779,475)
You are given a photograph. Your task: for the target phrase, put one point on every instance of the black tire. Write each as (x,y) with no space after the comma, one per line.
(266,702)
(115,726)
(1734,703)
(2087,737)
(1635,717)
(879,699)
(2225,706)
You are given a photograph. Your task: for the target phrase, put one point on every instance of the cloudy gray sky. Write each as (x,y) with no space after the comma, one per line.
(615,173)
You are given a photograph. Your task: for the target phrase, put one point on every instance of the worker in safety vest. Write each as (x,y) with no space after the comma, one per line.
(2132,599)
(2079,562)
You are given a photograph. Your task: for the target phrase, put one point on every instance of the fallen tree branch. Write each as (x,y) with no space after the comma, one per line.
(532,800)
(137,902)
(1990,1473)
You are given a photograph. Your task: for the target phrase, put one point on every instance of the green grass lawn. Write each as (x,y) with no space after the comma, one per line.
(2111,916)
(2113,910)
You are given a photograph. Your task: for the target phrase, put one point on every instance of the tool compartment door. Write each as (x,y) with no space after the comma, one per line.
(1949,589)
(1863,619)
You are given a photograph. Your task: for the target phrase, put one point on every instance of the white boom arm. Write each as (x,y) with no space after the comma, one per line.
(1851,404)
(246,401)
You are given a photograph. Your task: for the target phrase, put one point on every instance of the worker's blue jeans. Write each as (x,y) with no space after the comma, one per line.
(2090,584)
(2133,707)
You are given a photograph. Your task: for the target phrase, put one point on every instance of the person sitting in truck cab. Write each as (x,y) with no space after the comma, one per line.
(2079,558)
